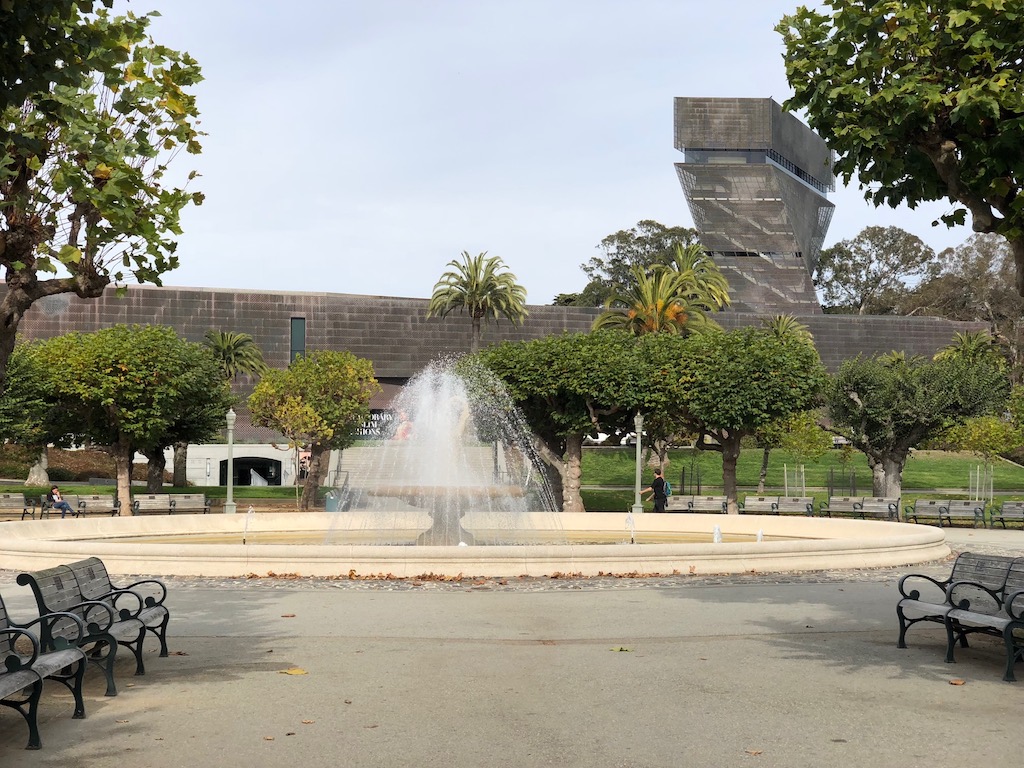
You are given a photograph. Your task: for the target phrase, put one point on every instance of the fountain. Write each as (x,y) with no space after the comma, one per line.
(457,478)
(457,445)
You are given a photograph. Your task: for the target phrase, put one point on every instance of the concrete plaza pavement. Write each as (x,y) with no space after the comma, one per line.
(775,670)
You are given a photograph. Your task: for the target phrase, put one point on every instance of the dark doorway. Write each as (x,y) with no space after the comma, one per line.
(268,469)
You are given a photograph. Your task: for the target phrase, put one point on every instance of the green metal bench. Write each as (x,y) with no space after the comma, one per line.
(963,510)
(17,504)
(759,505)
(880,508)
(99,504)
(110,621)
(841,505)
(152,502)
(1008,510)
(22,674)
(189,503)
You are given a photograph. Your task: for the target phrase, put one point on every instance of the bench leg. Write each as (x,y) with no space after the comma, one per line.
(29,709)
(105,661)
(1012,652)
(135,646)
(161,634)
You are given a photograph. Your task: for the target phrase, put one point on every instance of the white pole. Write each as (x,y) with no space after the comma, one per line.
(229,505)
(638,423)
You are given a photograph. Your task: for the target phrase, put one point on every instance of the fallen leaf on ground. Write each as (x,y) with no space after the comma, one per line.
(178,653)
(621,649)
(375,725)
(294,671)
(957,681)
(308,722)
(287,615)
(268,738)
(348,701)
(290,733)
(754,751)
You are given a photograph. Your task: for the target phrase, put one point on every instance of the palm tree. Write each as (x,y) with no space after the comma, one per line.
(656,302)
(707,286)
(478,285)
(237,353)
(973,347)
(787,326)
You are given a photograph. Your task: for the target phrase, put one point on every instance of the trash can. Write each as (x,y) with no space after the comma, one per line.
(332,501)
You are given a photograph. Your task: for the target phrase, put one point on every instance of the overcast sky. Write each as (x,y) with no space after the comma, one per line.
(357,146)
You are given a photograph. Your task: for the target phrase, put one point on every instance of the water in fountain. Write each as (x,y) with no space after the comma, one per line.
(456,467)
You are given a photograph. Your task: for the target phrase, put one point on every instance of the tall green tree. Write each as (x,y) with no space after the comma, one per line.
(644,246)
(921,101)
(123,388)
(319,403)
(482,287)
(887,405)
(866,274)
(84,196)
(742,381)
(237,353)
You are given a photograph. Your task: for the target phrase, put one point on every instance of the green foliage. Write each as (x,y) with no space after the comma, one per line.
(887,405)
(987,436)
(643,247)
(237,353)
(866,274)
(480,286)
(83,170)
(41,42)
(973,347)
(320,401)
(921,101)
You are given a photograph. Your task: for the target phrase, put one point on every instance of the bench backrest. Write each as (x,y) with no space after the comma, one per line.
(190,501)
(1012,508)
(98,501)
(803,505)
(880,506)
(70,498)
(91,575)
(845,503)
(991,571)
(12,501)
(56,589)
(6,641)
(760,503)
(707,503)
(964,508)
(161,501)
(929,506)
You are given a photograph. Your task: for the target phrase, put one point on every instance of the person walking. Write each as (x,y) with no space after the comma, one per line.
(657,489)
(57,502)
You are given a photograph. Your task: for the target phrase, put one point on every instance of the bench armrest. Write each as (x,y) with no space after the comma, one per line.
(955,595)
(14,661)
(49,619)
(914,593)
(1015,606)
(148,600)
(113,596)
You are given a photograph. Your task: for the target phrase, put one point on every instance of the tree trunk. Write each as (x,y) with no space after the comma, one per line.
(157,462)
(572,501)
(474,344)
(180,465)
(765,453)
(877,476)
(730,454)
(317,455)
(122,452)
(37,474)
(893,465)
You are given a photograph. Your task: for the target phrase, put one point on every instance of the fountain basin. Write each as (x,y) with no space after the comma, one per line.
(810,544)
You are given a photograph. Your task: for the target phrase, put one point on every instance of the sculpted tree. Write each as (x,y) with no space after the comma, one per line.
(84,199)
(865,274)
(124,388)
(887,405)
(568,387)
(319,402)
(744,380)
(237,353)
(921,101)
(481,286)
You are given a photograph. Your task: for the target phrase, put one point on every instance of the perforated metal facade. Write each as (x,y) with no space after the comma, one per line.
(755,180)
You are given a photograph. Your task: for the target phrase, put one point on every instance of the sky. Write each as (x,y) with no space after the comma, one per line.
(358,146)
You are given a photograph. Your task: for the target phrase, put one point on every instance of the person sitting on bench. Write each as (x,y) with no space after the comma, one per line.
(57,502)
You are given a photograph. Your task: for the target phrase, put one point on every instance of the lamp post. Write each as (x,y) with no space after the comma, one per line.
(229,505)
(638,423)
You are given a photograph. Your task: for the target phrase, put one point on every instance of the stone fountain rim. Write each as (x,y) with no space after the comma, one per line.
(817,544)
